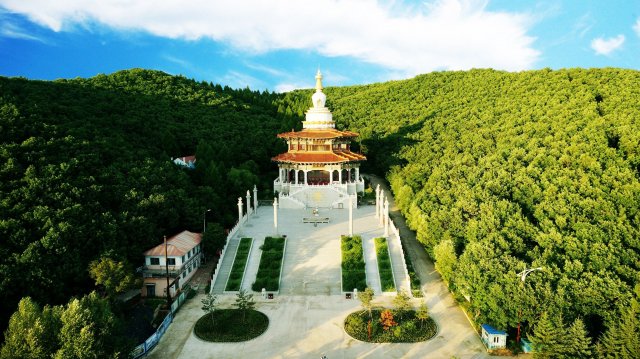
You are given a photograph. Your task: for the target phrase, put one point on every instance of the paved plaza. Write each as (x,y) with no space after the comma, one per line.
(306,318)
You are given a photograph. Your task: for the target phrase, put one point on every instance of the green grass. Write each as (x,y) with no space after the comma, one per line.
(228,326)
(384,265)
(416,291)
(408,330)
(353,269)
(237,271)
(268,276)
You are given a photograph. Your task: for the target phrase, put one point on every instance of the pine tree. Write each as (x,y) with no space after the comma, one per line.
(577,343)
(547,338)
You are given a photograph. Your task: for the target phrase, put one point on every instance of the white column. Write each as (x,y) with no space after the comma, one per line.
(275,215)
(296,176)
(239,210)
(350,215)
(386,217)
(382,197)
(378,201)
(340,175)
(305,177)
(357,174)
(248,204)
(255,199)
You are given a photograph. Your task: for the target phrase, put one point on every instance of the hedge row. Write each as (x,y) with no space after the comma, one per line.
(268,276)
(237,271)
(384,265)
(353,269)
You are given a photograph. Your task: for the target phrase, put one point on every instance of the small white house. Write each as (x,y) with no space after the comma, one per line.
(493,338)
(183,256)
(186,161)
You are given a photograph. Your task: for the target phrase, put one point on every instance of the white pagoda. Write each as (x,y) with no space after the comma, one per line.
(319,169)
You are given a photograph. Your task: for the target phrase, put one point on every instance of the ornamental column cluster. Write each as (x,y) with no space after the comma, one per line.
(250,210)
(382,210)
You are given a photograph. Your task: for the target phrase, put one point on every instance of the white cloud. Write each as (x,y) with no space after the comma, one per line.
(444,34)
(10,29)
(636,27)
(604,46)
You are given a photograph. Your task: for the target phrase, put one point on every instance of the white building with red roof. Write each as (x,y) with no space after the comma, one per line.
(319,169)
(186,161)
(183,257)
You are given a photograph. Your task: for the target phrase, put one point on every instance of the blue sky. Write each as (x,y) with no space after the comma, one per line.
(278,45)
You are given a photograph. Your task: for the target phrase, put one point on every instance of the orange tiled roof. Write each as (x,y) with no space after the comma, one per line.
(312,133)
(319,157)
(177,245)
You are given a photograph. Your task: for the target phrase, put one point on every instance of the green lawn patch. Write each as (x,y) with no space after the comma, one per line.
(237,271)
(384,265)
(268,276)
(416,291)
(227,326)
(353,270)
(409,329)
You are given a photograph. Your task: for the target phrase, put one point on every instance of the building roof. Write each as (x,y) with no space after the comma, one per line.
(177,245)
(318,134)
(319,157)
(187,159)
(491,330)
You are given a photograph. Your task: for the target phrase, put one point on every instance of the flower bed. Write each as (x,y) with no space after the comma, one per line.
(408,329)
(353,269)
(384,265)
(240,262)
(268,276)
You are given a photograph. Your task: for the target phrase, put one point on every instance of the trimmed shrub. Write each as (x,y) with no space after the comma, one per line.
(228,326)
(384,265)
(237,271)
(353,268)
(268,276)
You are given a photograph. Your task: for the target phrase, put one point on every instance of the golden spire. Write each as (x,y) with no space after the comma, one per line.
(318,81)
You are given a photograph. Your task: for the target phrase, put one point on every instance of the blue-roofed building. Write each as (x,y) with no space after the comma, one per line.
(493,338)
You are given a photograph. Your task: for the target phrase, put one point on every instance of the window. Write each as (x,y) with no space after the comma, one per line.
(189,254)
(184,274)
(171,261)
(496,339)
(182,260)
(154,261)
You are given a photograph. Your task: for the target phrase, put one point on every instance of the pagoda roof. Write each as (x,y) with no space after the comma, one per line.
(318,133)
(319,157)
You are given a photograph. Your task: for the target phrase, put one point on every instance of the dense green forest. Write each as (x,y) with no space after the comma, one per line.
(496,172)
(86,171)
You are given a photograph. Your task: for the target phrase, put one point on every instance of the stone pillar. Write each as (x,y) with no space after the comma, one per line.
(357,174)
(386,217)
(305,177)
(255,199)
(382,197)
(275,215)
(248,204)
(340,175)
(378,201)
(296,176)
(350,215)
(239,210)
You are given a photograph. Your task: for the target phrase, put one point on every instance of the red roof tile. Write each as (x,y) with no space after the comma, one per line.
(177,245)
(319,157)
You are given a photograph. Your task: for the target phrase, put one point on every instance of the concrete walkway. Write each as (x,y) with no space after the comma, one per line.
(306,319)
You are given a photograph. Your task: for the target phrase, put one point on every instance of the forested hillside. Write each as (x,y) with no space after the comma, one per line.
(496,172)
(86,171)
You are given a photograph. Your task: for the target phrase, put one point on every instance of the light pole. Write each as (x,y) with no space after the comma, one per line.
(204,220)
(523,275)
